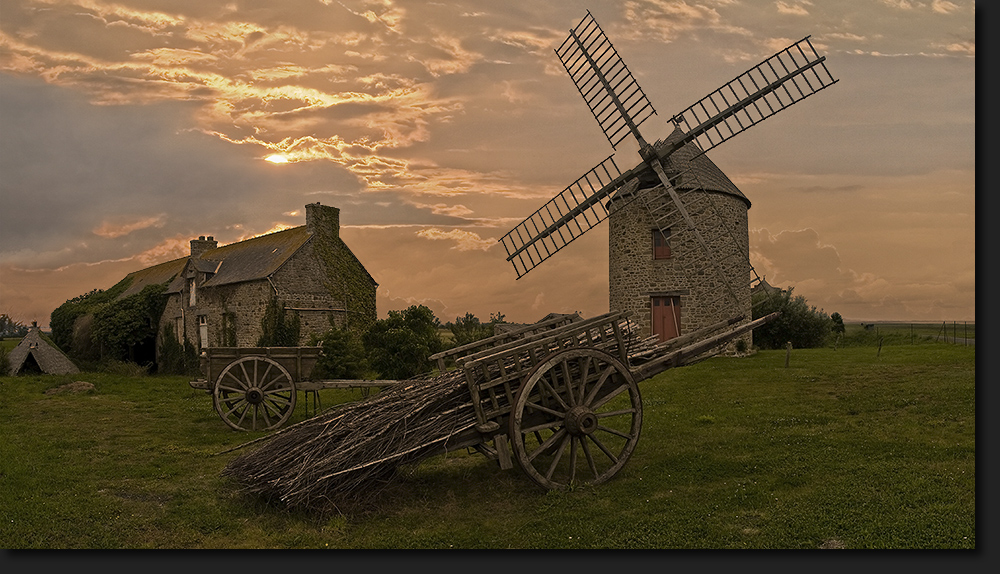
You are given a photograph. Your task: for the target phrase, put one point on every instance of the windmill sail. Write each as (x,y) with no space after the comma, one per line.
(785,78)
(605,82)
(568,215)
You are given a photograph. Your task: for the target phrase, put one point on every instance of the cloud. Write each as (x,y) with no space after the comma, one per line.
(112,230)
(464,240)
(943,6)
(793,9)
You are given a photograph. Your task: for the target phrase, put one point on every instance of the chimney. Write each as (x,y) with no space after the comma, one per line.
(201,245)
(322,217)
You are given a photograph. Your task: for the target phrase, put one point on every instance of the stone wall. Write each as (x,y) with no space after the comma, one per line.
(635,277)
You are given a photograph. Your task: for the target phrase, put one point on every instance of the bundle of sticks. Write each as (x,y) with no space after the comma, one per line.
(342,457)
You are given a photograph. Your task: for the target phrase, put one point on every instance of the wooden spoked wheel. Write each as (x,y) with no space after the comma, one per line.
(254,393)
(576,419)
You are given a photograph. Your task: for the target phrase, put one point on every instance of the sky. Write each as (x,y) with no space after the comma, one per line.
(129,128)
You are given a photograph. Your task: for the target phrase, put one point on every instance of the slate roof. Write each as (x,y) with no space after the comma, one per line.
(254,258)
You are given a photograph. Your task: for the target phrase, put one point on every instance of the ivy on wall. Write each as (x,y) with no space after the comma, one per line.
(63,317)
(124,323)
(176,358)
(346,278)
(278,327)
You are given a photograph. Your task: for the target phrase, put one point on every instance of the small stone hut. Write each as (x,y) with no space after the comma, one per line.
(37,351)
(663,276)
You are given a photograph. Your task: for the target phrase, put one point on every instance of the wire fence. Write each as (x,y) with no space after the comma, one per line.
(957,332)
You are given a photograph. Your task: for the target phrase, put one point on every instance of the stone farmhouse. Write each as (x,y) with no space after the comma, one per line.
(216,296)
(662,275)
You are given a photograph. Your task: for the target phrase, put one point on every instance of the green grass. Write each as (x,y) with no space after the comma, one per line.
(849,447)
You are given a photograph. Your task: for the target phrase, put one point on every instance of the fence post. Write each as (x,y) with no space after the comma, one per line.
(788,352)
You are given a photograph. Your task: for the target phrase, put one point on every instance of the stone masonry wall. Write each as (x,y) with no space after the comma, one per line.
(635,277)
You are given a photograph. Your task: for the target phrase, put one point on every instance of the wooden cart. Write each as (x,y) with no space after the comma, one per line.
(562,401)
(255,388)
(559,398)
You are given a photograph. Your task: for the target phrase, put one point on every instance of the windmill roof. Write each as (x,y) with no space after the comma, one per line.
(49,358)
(696,168)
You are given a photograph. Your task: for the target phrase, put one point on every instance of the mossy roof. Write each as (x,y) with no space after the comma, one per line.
(155,275)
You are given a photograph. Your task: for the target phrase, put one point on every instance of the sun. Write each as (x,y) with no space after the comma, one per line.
(276,158)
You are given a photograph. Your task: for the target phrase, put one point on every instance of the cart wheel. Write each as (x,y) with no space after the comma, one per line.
(254,393)
(576,419)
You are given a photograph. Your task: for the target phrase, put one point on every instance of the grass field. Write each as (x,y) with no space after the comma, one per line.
(845,448)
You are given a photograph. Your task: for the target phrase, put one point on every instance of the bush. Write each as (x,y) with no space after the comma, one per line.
(122,324)
(804,326)
(399,345)
(4,361)
(343,357)
(176,358)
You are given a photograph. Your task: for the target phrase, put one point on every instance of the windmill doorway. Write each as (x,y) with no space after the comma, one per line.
(666,317)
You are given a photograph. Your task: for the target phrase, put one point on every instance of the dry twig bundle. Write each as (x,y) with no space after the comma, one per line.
(339,458)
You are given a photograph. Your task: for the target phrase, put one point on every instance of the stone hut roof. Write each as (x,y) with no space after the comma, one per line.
(50,359)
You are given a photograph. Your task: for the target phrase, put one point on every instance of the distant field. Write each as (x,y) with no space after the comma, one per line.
(9,342)
(906,332)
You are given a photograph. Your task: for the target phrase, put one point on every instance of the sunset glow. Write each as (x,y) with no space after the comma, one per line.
(437,127)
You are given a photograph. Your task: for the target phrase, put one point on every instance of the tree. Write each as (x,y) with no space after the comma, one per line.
(11,327)
(800,324)
(278,329)
(343,355)
(399,345)
(469,329)
(838,323)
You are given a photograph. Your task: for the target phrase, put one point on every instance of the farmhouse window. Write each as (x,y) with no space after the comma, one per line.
(203,330)
(661,243)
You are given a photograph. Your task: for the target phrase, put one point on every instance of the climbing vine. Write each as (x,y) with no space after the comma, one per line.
(63,317)
(122,324)
(278,328)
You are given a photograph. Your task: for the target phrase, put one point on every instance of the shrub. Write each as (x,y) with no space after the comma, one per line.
(800,324)
(176,358)
(343,355)
(399,345)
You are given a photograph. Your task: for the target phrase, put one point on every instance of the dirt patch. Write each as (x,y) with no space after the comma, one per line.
(74,388)
(832,544)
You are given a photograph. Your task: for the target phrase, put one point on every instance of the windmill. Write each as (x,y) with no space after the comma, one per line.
(675,194)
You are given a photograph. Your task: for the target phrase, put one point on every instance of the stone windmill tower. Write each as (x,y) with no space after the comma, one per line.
(678,239)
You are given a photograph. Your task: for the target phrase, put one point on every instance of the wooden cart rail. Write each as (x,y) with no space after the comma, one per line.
(502,338)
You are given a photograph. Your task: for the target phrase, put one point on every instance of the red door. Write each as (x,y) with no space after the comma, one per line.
(666,317)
